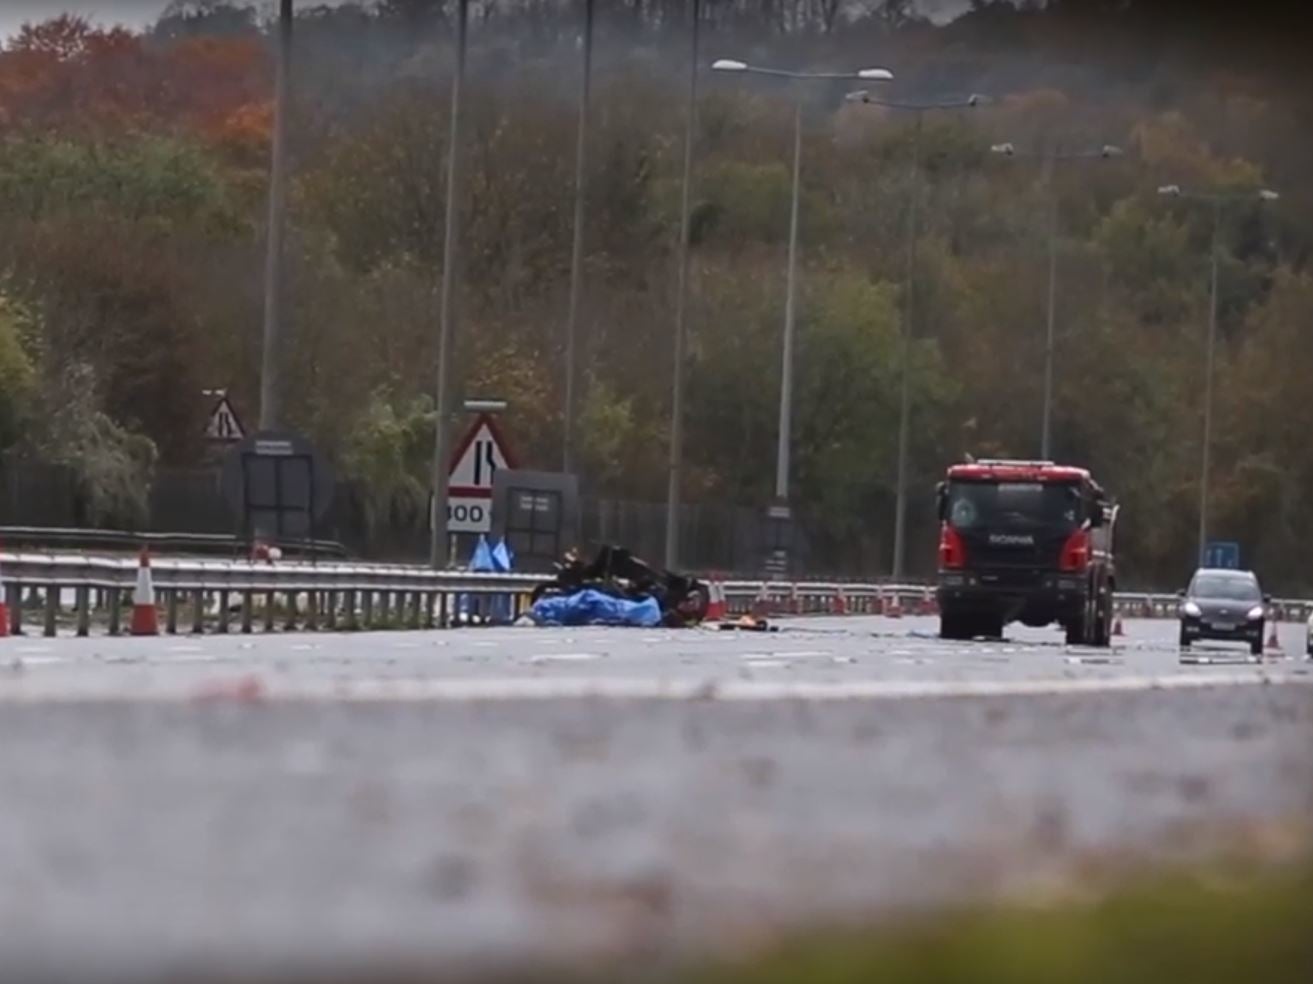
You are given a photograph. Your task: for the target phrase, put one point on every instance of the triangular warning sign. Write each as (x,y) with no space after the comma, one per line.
(480,453)
(223,423)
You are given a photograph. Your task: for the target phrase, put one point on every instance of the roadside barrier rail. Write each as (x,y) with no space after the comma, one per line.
(212,594)
(77,539)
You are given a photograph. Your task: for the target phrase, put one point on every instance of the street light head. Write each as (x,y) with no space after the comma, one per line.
(976,99)
(1111,150)
(1006,149)
(860,96)
(1268,195)
(876,74)
(1173,190)
(729,65)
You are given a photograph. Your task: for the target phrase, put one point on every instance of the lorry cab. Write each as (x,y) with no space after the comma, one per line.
(1028,541)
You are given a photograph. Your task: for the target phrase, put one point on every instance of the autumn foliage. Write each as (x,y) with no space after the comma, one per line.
(133,180)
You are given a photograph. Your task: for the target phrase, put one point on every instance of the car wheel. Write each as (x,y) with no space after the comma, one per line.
(1256,647)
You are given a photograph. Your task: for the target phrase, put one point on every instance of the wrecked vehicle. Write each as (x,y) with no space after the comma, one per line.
(617,588)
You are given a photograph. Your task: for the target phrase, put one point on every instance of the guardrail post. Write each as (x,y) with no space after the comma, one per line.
(444,610)
(384,608)
(330,611)
(312,610)
(268,611)
(223,612)
(114,598)
(367,608)
(352,622)
(171,608)
(198,612)
(290,597)
(430,604)
(84,611)
(52,609)
(248,612)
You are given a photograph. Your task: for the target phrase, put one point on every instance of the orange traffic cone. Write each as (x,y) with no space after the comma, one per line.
(761,603)
(4,607)
(145,617)
(894,606)
(717,606)
(840,604)
(1117,628)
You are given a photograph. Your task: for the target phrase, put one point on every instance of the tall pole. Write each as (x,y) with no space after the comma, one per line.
(446,315)
(681,298)
(1047,416)
(577,247)
(1208,384)
(270,382)
(790,294)
(905,390)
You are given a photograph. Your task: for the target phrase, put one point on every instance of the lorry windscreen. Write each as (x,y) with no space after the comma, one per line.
(1014,506)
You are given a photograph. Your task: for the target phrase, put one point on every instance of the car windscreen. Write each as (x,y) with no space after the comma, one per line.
(1014,505)
(1225,587)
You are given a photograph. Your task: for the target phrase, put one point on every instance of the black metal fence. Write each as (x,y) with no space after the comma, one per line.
(729,539)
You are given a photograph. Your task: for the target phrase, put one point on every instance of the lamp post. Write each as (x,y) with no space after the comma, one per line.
(577,245)
(781,510)
(446,316)
(1216,202)
(674,473)
(270,363)
(918,109)
(1050,160)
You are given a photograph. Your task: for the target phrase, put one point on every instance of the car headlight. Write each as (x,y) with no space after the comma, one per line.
(1191,609)
(1256,613)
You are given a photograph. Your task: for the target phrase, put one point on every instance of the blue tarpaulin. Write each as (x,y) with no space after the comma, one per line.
(590,607)
(503,557)
(483,560)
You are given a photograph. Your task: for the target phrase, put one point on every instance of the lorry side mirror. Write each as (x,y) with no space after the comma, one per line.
(941,500)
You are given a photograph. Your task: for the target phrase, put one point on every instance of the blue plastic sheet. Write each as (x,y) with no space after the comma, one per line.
(590,607)
(486,559)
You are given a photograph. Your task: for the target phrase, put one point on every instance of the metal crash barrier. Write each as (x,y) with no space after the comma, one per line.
(54,590)
(213,595)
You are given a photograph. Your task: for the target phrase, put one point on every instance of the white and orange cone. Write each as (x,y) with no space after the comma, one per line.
(145,616)
(4,607)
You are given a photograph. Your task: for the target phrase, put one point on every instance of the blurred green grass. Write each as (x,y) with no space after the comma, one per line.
(1197,929)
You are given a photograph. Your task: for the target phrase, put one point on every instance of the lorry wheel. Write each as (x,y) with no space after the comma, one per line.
(956,627)
(1103,622)
(1076,631)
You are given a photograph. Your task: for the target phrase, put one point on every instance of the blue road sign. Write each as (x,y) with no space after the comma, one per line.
(1222,553)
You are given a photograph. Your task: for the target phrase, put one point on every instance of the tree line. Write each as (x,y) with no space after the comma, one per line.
(133,177)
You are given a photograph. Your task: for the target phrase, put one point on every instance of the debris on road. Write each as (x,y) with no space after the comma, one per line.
(747,623)
(617,588)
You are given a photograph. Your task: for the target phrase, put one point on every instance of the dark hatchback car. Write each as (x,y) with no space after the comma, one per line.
(1225,605)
